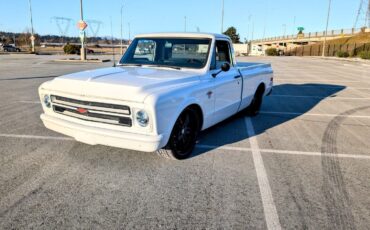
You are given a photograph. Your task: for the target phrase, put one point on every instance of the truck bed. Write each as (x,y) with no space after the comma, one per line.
(252,65)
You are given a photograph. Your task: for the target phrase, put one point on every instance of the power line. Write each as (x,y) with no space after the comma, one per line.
(66,22)
(358,13)
(94,26)
(363,13)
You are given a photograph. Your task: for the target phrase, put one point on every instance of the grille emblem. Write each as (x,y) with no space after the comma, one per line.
(82,110)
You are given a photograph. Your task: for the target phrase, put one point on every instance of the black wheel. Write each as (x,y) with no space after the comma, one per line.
(254,108)
(183,137)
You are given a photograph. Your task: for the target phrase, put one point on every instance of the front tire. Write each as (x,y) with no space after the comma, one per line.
(183,136)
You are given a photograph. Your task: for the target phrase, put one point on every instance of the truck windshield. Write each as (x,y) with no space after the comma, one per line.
(168,52)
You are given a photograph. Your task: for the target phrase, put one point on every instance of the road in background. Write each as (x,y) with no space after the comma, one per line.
(302,163)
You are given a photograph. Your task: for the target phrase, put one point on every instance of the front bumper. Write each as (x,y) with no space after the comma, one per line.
(94,135)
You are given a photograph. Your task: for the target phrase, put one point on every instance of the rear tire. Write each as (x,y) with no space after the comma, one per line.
(183,136)
(254,108)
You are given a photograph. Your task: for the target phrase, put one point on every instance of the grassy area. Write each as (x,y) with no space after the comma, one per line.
(360,38)
(340,47)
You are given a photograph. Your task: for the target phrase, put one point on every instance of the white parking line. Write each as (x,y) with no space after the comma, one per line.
(284,80)
(269,208)
(30,102)
(319,97)
(325,86)
(201,146)
(287,152)
(36,137)
(314,114)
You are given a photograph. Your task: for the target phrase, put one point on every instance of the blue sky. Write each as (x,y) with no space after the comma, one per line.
(168,15)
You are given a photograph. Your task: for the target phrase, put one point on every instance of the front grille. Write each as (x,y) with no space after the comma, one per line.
(92,111)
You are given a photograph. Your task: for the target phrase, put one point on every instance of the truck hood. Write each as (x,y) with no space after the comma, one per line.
(121,83)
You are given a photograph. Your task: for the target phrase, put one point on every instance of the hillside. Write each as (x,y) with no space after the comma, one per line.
(360,38)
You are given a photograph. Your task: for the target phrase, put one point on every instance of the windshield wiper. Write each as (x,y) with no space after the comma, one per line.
(166,66)
(128,64)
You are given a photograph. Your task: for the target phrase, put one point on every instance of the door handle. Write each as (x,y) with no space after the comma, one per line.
(238,76)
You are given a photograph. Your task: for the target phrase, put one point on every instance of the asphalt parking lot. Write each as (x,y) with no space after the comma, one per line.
(303,163)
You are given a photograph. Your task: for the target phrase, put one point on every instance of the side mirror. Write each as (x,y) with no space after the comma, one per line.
(224,68)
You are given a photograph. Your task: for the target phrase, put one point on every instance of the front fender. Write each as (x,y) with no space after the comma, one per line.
(167,109)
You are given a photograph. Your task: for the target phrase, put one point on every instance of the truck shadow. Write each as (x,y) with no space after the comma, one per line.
(287,102)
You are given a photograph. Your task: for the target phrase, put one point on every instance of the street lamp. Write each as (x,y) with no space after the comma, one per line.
(222,16)
(121,30)
(83,54)
(326,30)
(284,43)
(32,36)
(249,25)
(129,33)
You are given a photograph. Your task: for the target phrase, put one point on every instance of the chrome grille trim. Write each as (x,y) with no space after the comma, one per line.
(98,106)
(109,113)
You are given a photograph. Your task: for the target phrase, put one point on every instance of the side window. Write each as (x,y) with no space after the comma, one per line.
(222,53)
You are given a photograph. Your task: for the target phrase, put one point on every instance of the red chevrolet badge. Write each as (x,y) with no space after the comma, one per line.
(82,110)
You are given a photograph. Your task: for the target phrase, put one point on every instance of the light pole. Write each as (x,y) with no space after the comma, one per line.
(284,29)
(222,16)
(83,54)
(32,36)
(129,33)
(326,30)
(121,29)
(249,25)
(368,15)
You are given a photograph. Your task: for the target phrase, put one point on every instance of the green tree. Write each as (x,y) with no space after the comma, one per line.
(231,32)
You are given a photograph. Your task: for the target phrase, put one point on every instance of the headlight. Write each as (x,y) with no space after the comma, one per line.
(142,118)
(47,101)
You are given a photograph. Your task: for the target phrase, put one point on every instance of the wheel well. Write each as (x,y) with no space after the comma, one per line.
(199,112)
(261,88)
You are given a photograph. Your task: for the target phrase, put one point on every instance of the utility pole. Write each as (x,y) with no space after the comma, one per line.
(122,29)
(83,54)
(32,36)
(368,15)
(326,30)
(249,25)
(129,33)
(252,31)
(284,29)
(222,16)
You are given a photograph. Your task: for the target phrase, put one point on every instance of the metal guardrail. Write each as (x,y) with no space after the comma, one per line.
(331,33)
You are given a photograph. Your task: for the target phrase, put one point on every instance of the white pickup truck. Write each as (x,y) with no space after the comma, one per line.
(166,89)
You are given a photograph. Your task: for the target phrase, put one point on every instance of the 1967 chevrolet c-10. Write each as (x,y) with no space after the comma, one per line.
(166,89)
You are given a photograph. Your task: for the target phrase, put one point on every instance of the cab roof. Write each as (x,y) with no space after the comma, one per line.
(184,35)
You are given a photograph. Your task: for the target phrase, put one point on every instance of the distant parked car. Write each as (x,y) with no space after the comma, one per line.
(89,51)
(8,48)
